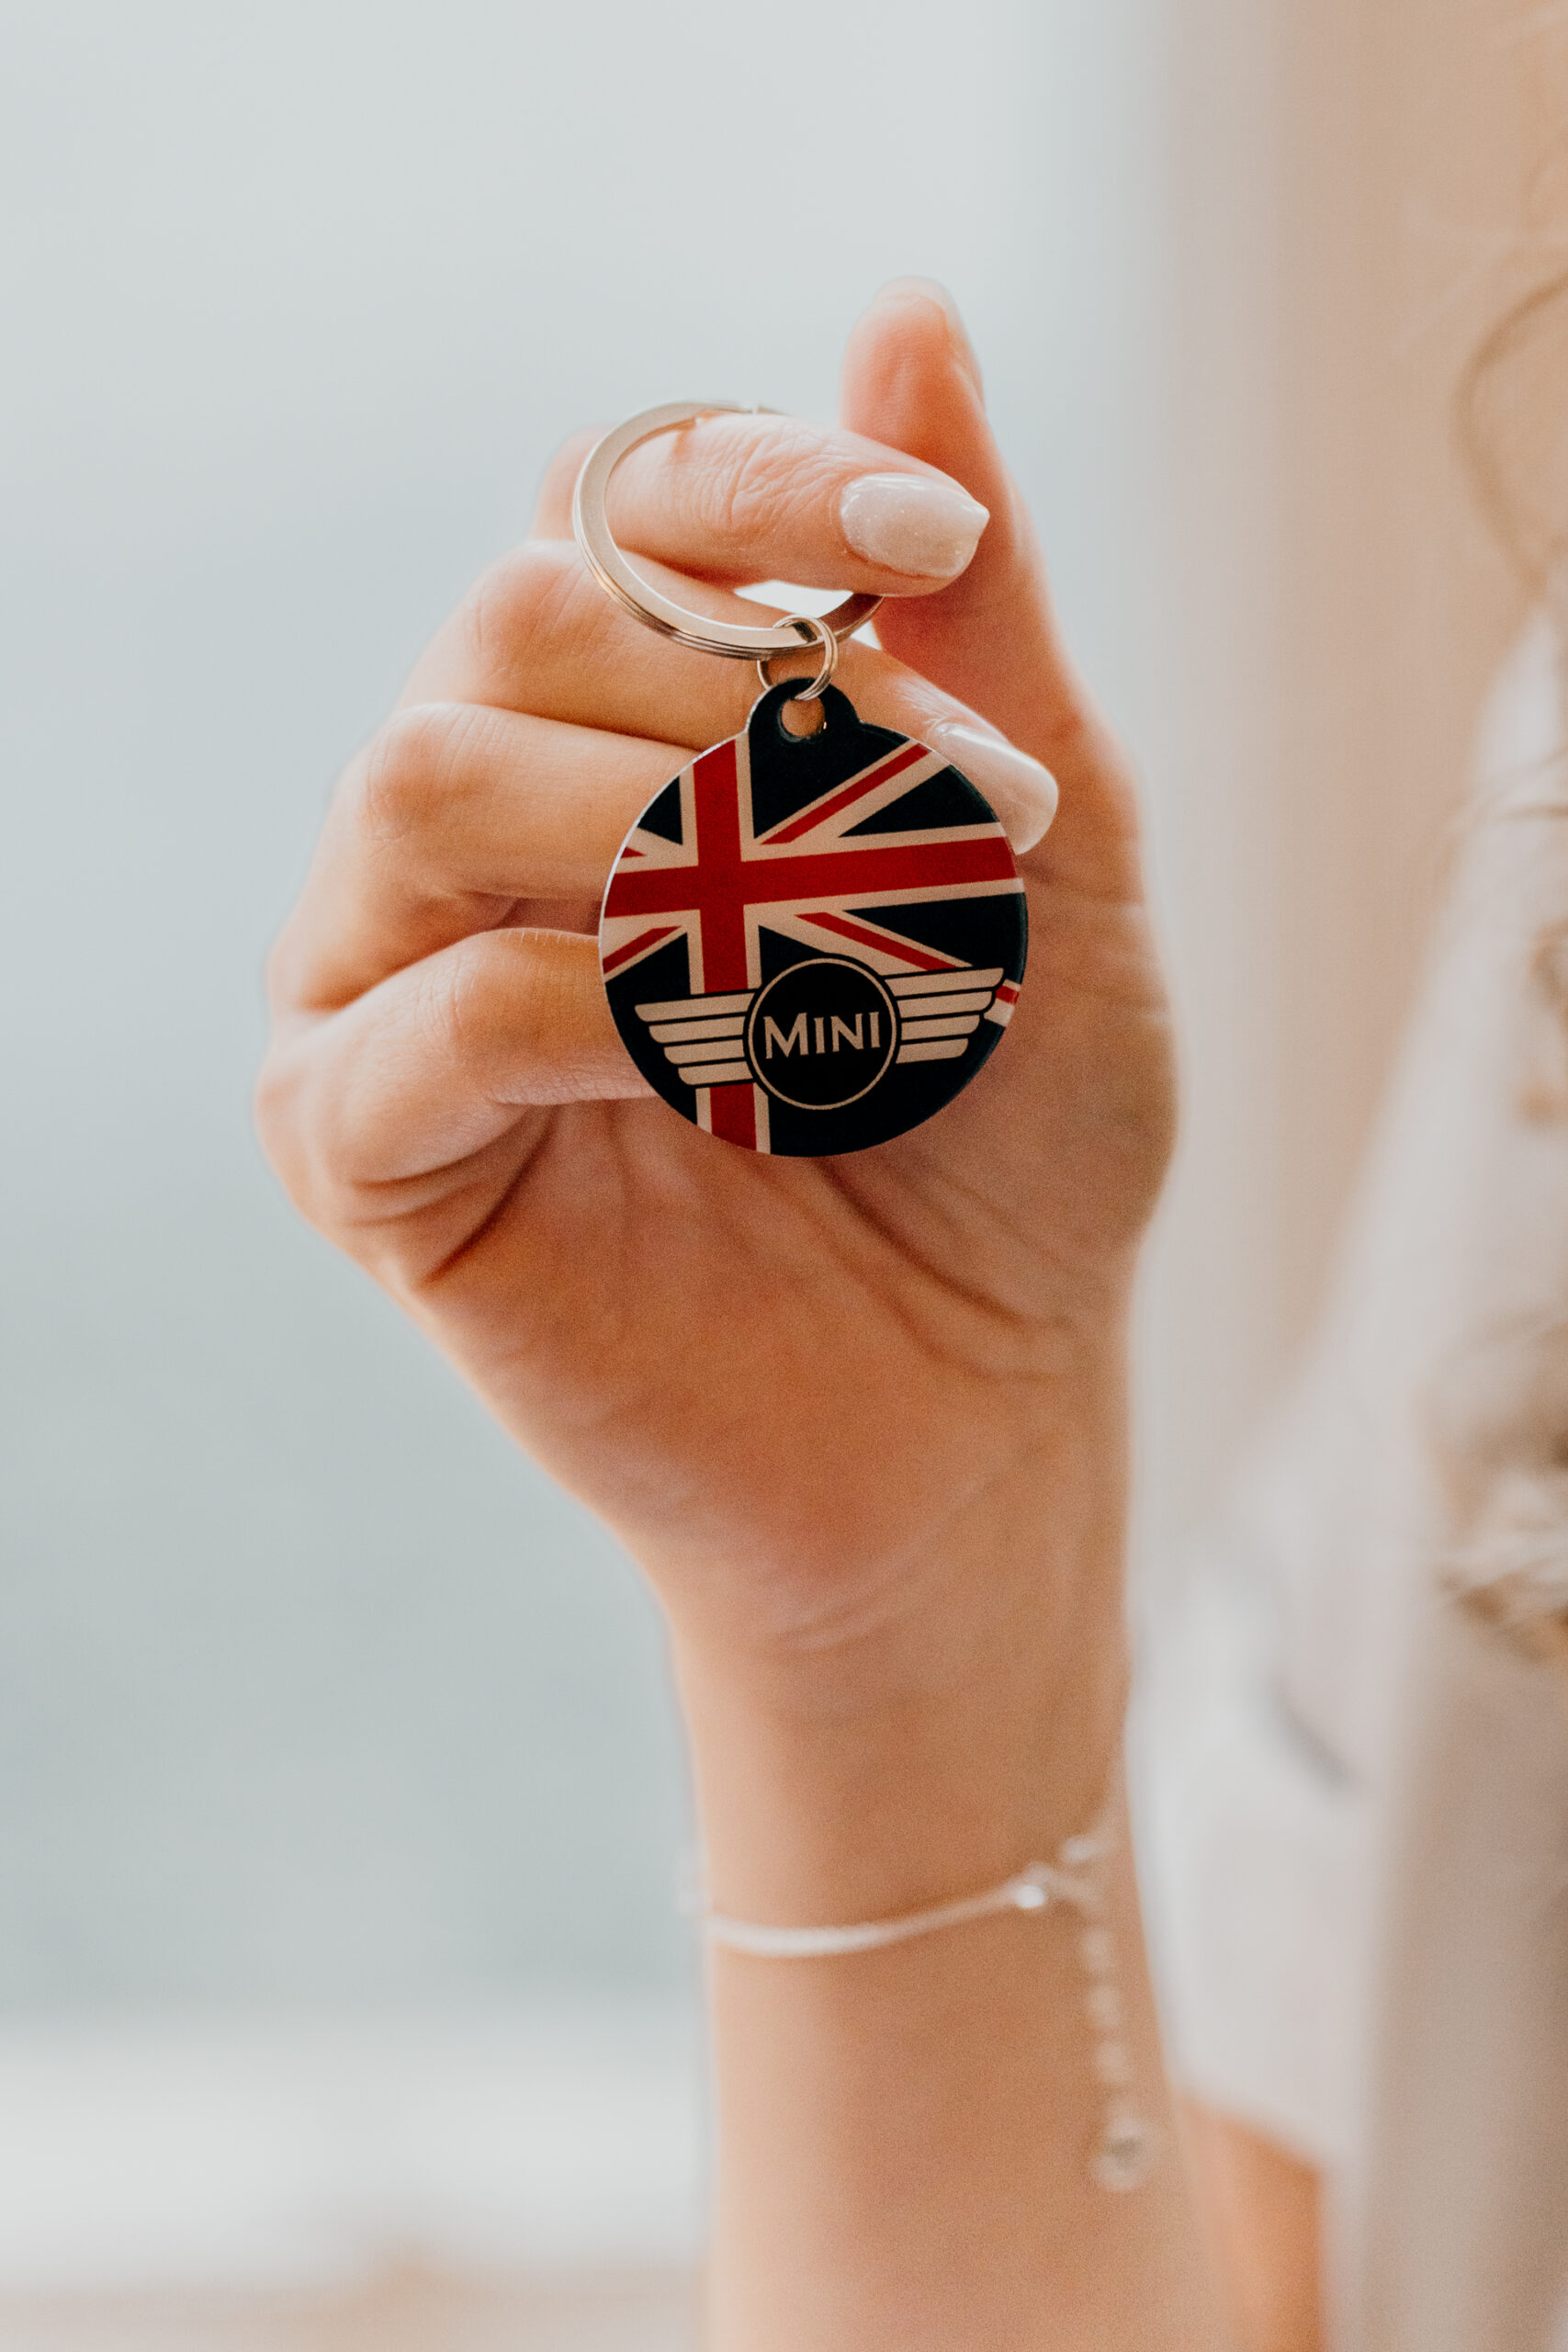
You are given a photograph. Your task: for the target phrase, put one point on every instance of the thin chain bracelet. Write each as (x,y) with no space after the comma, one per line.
(1128,2145)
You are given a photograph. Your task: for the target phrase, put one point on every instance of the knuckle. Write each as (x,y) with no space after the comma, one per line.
(497,995)
(459,1011)
(747,489)
(406,766)
(276,1113)
(302,1107)
(304,1125)
(515,604)
(281,970)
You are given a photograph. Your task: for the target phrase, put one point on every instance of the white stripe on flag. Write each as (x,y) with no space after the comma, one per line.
(924,982)
(703,1050)
(694,1008)
(972,1000)
(962,1028)
(680,1032)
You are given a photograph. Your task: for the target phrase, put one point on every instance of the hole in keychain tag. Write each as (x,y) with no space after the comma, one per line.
(810,941)
(802,714)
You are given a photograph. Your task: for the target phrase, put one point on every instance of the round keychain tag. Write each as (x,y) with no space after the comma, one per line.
(810,943)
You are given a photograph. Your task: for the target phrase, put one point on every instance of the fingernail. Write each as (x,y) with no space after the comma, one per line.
(917,524)
(1022,792)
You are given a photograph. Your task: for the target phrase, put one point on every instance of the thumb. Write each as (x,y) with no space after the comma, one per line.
(910,380)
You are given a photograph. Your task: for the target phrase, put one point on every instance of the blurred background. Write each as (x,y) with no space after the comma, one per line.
(343,1997)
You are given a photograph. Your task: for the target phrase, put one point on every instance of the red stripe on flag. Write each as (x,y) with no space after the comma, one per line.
(645,939)
(733,1114)
(719,885)
(921,957)
(822,810)
(722,899)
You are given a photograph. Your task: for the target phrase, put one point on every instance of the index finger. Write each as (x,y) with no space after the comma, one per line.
(736,498)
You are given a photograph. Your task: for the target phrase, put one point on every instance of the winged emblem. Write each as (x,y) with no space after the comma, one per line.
(704,1037)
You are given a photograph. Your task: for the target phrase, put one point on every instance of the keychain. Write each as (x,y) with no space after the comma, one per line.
(810,943)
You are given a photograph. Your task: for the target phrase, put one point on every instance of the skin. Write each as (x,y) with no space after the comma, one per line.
(1262,2210)
(863,1422)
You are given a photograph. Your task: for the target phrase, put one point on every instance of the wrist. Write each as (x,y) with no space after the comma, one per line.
(869,1549)
(914,1805)
(937,1751)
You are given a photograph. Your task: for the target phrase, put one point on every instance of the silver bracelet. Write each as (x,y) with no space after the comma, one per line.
(1128,2145)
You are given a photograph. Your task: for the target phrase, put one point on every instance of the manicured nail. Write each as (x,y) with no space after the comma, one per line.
(916,524)
(1022,792)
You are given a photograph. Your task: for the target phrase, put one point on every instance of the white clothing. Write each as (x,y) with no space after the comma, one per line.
(1355,1792)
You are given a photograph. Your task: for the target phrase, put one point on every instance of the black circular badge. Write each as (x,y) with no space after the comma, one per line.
(821,1034)
(810,944)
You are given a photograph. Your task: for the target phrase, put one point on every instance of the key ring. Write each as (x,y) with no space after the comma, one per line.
(810,631)
(639,597)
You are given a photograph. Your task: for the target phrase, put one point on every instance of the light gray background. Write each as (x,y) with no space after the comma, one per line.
(310,1689)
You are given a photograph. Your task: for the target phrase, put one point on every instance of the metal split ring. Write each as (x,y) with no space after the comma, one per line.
(639,597)
(809,631)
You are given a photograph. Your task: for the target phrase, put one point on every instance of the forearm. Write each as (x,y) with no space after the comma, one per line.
(907,2135)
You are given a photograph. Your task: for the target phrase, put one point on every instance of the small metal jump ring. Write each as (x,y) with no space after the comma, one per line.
(810,631)
(639,595)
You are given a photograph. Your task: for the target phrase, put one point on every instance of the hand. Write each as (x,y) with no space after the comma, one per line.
(795,1388)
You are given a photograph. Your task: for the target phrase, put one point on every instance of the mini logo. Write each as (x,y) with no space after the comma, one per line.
(822,1033)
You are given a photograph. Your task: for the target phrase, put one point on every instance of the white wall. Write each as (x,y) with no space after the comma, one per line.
(309,1688)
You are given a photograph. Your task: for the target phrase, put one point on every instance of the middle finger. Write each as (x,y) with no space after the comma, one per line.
(457,818)
(537,633)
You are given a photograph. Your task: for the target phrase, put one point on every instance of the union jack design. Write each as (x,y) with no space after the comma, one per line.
(853,847)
